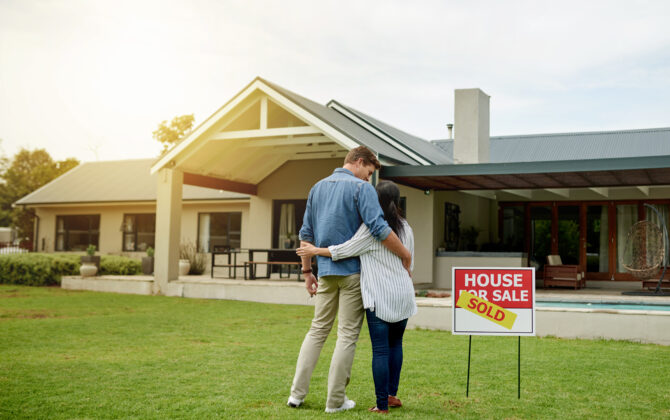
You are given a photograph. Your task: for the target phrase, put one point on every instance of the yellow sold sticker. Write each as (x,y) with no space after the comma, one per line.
(486,309)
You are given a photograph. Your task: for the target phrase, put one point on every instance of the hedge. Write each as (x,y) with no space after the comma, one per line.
(112,264)
(37,269)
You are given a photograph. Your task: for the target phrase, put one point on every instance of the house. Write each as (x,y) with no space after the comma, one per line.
(241,178)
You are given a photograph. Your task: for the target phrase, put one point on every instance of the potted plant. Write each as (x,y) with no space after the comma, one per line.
(90,263)
(469,238)
(184,262)
(191,261)
(148,262)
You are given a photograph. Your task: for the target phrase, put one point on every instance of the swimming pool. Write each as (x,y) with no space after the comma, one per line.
(604,305)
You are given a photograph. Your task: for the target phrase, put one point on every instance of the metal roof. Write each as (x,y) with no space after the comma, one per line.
(614,172)
(427,150)
(574,146)
(113,181)
(343,124)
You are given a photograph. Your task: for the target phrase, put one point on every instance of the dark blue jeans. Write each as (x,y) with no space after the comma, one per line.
(386,341)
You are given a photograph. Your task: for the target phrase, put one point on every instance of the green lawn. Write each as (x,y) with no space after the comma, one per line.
(66,354)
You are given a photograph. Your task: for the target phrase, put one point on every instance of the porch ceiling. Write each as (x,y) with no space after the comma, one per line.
(621,172)
(251,159)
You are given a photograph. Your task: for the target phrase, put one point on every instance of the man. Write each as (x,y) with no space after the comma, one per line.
(336,207)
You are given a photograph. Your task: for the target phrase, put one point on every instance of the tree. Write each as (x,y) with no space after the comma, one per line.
(28,171)
(171,133)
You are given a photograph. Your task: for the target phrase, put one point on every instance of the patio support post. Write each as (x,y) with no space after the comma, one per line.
(168,228)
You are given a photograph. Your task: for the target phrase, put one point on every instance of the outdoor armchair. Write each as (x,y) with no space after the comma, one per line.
(558,274)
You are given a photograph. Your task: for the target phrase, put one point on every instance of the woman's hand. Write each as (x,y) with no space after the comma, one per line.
(307,250)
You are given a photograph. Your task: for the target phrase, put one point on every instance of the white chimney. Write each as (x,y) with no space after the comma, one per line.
(471,121)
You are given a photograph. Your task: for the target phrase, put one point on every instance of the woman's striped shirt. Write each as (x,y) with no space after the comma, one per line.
(386,287)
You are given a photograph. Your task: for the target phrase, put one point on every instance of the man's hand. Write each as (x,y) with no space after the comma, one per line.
(392,242)
(310,283)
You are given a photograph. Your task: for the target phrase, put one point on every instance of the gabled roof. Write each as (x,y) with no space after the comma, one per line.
(113,181)
(425,149)
(347,127)
(392,146)
(575,146)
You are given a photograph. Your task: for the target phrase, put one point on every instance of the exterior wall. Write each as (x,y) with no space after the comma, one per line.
(420,215)
(111,218)
(476,211)
(292,181)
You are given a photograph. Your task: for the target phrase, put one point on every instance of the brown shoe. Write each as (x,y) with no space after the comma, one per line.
(378,411)
(394,402)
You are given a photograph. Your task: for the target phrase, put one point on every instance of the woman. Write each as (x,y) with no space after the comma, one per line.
(387,291)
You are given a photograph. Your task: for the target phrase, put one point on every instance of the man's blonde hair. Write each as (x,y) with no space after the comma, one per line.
(362,152)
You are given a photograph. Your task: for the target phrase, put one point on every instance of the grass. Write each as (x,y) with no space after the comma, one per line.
(67,354)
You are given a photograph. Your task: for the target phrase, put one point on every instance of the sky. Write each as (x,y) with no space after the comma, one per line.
(92,79)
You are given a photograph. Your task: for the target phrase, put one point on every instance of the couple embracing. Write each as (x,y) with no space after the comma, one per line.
(364,249)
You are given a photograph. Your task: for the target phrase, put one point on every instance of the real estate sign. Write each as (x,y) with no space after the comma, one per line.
(493,301)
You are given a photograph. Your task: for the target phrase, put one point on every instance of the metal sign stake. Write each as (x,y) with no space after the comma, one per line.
(467,388)
(519,371)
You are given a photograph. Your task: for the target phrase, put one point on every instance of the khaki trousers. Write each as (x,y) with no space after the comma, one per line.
(334,293)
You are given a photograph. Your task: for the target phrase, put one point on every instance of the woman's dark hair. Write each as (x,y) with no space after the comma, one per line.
(389,199)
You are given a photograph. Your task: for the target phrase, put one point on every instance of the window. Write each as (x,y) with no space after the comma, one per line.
(626,217)
(659,218)
(597,238)
(451,226)
(541,219)
(76,233)
(139,232)
(219,230)
(513,228)
(287,220)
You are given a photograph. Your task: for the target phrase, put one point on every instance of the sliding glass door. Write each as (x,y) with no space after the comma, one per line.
(626,217)
(597,241)
(568,234)
(540,236)
(591,234)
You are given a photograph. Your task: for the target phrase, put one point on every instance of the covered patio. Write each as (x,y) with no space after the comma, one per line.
(581,210)
(273,145)
(236,149)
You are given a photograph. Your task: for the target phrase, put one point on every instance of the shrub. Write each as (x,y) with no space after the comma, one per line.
(65,264)
(112,264)
(36,269)
(29,270)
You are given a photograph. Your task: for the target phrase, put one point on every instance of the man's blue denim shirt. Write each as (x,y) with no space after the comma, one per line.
(336,207)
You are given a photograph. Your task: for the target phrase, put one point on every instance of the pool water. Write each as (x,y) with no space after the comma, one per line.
(615,306)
